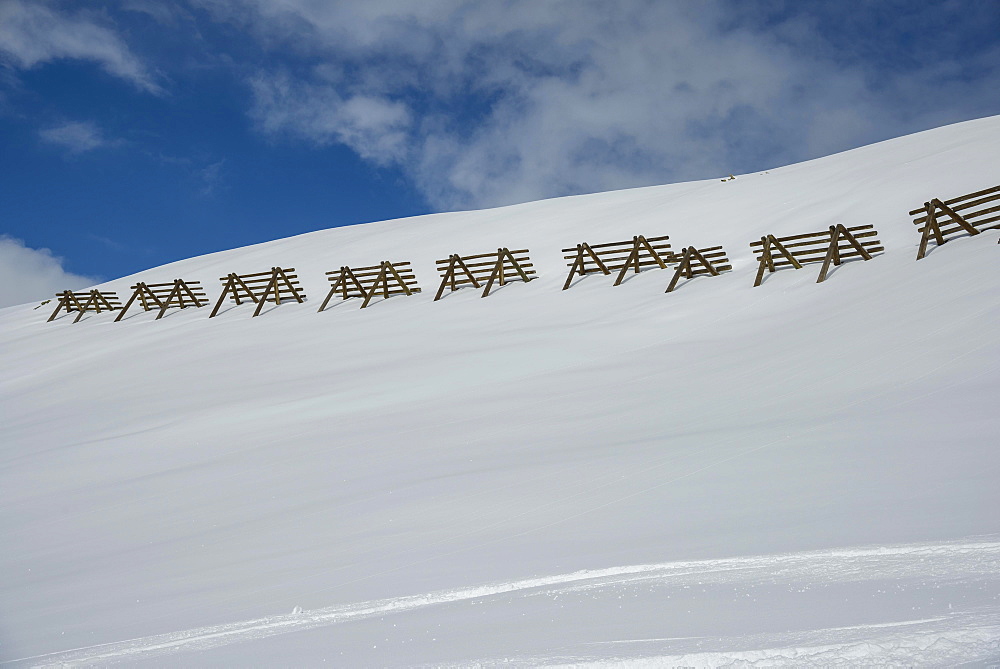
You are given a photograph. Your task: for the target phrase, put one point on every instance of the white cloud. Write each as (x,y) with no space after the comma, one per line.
(376,128)
(30,275)
(75,136)
(32,33)
(211,177)
(486,103)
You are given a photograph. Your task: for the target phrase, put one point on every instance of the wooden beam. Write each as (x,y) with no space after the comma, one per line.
(273,283)
(230,285)
(955,217)
(781,247)
(374,287)
(63,302)
(135,293)
(497,270)
(577,262)
(765,260)
(831,253)
(449,274)
(399,279)
(685,264)
(854,242)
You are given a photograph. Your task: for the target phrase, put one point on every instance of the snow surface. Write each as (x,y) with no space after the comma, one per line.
(791,474)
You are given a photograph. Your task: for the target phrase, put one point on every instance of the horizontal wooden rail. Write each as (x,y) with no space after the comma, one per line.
(833,246)
(163,296)
(282,285)
(503,265)
(966,214)
(609,257)
(962,198)
(697,262)
(387,279)
(82,302)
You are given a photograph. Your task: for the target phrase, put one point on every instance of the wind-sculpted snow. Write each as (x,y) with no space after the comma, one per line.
(176,474)
(964,575)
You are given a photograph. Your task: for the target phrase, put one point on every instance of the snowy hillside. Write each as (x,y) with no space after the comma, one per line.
(792,473)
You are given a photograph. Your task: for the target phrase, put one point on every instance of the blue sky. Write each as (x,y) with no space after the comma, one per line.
(137,132)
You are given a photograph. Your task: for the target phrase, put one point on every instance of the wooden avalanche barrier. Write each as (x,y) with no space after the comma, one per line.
(500,267)
(967,214)
(618,257)
(695,262)
(94,300)
(832,246)
(387,278)
(162,296)
(274,286)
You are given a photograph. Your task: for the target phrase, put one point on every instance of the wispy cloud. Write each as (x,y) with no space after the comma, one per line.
(34,33)
(74,136)
(491,103)
(211,176)
(375,127)
(28,274)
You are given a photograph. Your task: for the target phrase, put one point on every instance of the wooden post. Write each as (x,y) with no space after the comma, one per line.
(685,264)
(64,300)
(141,290)
(263,298)
(577,262)
(374,287)
(765,260)
(497,270)
(341,284)
(832,253)
(128,304)
(580,263)
(176,290)
(449,274)
(231,286)
(86,305)
(345,272)
(276,274)
(930,226)
(632,257)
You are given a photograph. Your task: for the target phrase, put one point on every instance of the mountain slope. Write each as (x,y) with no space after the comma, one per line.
(188,473)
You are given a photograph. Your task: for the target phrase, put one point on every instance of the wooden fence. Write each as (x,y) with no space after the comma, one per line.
(274,286)
(967,214)
(938,220)
(82,302)
(618,257)
(387,278)
(501,266)
(696,262)
(162,296)
(835,245)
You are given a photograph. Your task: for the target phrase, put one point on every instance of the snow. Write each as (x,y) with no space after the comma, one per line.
(794,473)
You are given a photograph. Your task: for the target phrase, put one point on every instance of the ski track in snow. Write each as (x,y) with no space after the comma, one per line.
(960,636)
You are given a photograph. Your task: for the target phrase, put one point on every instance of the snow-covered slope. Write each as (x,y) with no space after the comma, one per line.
(791,473)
